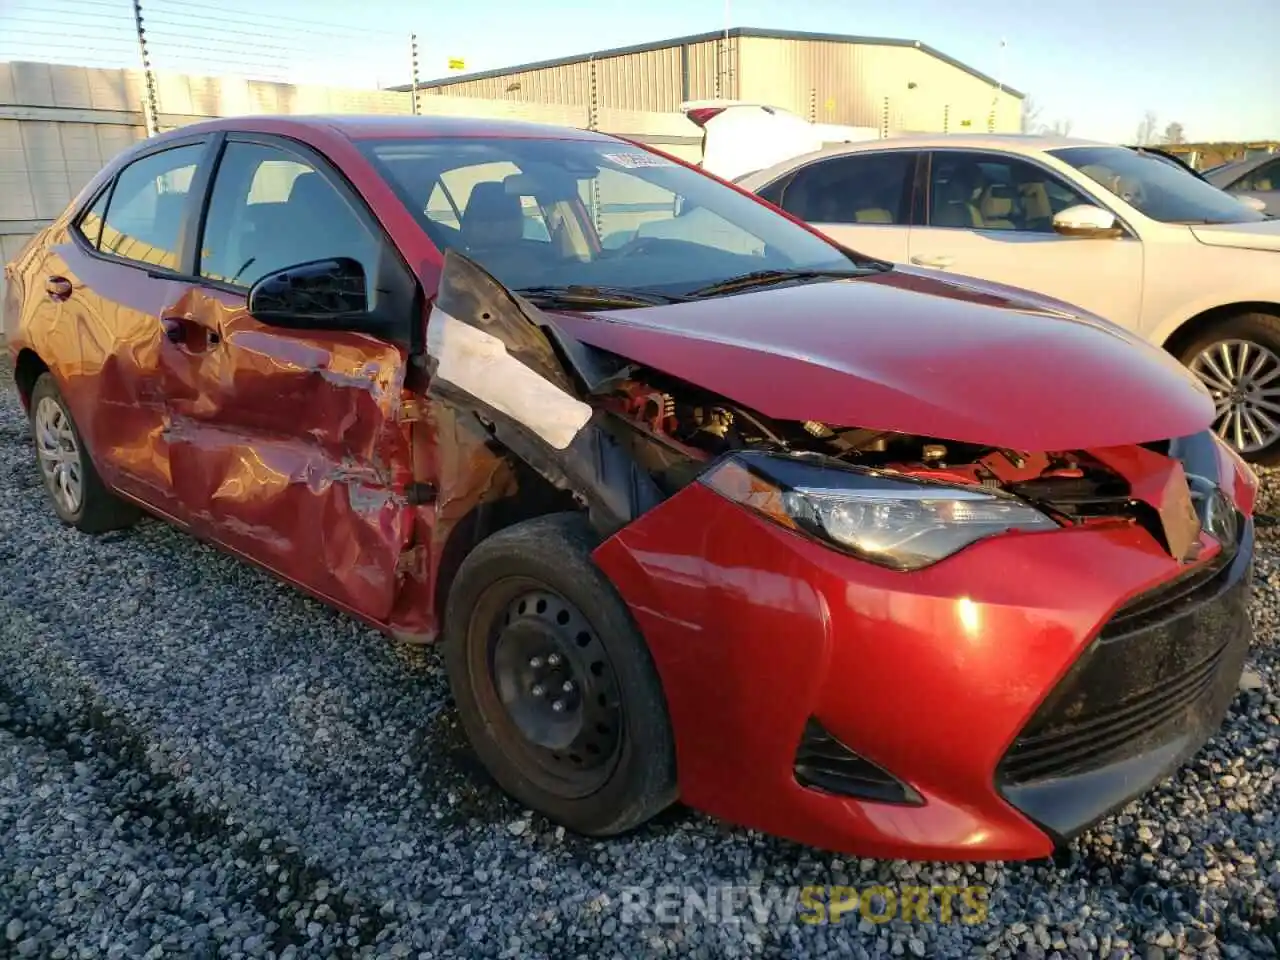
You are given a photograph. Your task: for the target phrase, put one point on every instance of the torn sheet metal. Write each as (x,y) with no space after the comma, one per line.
(1161,483)
(283,445)
(478,363)
(534,413)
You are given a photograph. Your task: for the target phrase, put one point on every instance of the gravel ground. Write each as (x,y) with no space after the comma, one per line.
(197,761)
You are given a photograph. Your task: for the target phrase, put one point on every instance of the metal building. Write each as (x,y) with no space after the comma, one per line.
(887,84)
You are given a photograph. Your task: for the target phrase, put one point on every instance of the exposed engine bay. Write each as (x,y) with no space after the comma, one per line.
(691,427)
(620,436)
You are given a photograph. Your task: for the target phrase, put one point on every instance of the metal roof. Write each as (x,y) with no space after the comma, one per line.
(706,38)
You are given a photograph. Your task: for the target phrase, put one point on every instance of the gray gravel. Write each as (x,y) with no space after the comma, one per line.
(197,761)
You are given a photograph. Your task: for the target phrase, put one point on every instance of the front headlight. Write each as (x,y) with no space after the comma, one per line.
(893,521)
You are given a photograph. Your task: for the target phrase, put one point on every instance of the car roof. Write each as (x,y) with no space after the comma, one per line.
(377,126)
(1027,144)
(1237,167)
(1008,142)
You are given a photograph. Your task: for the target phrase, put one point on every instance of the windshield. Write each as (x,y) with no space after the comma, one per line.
(1156,187)
(545,214)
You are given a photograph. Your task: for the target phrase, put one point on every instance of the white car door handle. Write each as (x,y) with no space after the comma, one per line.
(940,262)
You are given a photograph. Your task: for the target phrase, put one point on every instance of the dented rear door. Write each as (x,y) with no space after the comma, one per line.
(286,445)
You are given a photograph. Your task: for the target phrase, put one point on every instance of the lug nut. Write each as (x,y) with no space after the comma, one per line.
(536,662)
(553,660)
(537,690)
(558,706)
(568,686)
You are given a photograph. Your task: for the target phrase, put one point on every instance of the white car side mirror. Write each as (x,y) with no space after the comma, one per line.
(1253,203)
(1084,220)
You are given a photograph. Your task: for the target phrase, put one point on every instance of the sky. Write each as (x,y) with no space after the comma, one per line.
(1098,64)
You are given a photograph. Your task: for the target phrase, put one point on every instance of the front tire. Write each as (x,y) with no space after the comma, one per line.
(77,493)
(1238,360)
(554,683)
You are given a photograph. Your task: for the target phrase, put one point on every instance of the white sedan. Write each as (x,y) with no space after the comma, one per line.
(1124,234)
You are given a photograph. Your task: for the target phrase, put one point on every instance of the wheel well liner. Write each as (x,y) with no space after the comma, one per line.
(26,372)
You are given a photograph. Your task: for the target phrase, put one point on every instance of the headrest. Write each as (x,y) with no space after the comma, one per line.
(996,203)
(492,215)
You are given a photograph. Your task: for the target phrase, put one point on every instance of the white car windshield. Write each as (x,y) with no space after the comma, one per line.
(1160,189)
(543,213)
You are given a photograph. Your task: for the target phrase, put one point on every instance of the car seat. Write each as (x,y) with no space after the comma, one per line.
(996,208)
(952,206)
(493,217)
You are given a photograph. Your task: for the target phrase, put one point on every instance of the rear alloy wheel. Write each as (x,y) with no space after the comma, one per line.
(77,493)
(554,684)
(1239,363)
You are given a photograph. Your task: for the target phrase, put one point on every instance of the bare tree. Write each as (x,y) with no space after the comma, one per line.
(1059,128)
(1174,133)
(1030,116)
(1147,129)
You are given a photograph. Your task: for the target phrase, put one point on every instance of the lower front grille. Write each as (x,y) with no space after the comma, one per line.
(824,763)
(1154,673)
(1066,747)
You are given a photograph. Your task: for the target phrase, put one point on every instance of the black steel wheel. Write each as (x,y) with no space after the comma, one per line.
(554,683)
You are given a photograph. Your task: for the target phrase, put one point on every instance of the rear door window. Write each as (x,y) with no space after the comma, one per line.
(869,188)
(144,219)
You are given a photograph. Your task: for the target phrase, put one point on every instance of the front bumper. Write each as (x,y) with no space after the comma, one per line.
(932,676)
(1143,697)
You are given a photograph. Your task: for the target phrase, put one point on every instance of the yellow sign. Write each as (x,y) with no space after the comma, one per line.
(457,63)
(830,105)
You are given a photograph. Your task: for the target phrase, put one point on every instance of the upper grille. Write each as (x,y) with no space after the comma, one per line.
(1193,587)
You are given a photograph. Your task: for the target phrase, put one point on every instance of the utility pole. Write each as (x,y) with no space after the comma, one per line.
(995,97)
(413,54)
(728,59)
(150,110)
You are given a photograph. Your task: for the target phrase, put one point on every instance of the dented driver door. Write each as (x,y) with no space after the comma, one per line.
(286,445)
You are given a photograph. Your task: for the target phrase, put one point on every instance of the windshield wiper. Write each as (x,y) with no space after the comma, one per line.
(597,297)
(764,278)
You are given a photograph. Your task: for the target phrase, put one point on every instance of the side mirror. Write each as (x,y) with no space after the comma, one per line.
(1253,203)
(1084,220)
(322,294)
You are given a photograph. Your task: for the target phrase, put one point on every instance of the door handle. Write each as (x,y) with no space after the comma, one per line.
(939,262)
(58,288)
(187,332)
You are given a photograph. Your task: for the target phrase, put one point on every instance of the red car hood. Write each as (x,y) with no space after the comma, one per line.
(913,352)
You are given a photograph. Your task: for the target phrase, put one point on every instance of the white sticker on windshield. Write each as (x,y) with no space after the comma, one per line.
(636,160)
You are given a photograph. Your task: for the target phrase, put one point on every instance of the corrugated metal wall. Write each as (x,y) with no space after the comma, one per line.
(649,80)
(827,81)
(849,83)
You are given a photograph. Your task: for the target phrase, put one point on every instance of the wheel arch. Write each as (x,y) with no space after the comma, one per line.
(1189,329)
(533,496)
(27,370)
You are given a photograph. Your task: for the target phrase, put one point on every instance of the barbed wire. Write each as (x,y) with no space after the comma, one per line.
(189,36)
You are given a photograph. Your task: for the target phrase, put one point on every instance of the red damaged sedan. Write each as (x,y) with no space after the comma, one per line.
(700,505)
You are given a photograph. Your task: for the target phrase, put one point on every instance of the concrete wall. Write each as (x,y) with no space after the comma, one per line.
(59,125)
